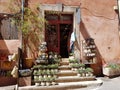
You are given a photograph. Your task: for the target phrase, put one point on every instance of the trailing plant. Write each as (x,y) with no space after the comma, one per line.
(30,22)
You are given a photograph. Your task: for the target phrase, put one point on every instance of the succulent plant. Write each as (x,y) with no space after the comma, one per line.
(89,70)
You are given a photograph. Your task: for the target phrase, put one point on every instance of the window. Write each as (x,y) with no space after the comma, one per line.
(8,30)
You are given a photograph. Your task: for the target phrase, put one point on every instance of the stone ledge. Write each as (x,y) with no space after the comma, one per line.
(65,86)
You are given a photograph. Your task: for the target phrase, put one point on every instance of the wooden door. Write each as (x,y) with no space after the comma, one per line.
(55,33)
(52,37)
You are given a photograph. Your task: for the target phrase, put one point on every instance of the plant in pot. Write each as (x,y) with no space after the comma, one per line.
(35,72)
(54,73)
(54,67)
(44,73)
(40,72)
(75,66)
(42,80)
(89,71)
(53,81)
(72,61)
(48,73)
(48,81)
(80,72)
(81,66)
(111,69)
(36,80)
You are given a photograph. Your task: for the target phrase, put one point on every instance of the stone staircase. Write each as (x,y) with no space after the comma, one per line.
(68,80)
(67,75)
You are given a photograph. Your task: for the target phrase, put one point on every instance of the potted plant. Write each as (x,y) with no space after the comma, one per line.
(44,73)
(55,67)
(111,69)
(35,72)
(79,72)
(81,66)
(36,79)
(48,73)
(89,71)
(42,81)
(48,81)
(72,61)
(40,72)
(75,66)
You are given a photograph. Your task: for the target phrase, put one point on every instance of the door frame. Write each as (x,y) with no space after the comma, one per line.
(58,22)
(65,9)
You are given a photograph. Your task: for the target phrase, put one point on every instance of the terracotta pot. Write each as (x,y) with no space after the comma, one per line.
(28,63)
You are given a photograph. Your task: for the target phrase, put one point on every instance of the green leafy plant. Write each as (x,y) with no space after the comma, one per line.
(80,71)
(73,61)
(76,65)
(54,66)
(81,65)
(113,66)
(30,23)
(89,70)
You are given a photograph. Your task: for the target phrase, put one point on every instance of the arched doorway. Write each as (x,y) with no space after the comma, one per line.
(58,31)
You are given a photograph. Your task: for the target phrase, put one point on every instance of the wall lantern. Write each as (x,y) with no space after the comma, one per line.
(115,8)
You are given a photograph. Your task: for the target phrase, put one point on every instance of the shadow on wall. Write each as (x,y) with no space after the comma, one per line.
(4,52)
(98,66)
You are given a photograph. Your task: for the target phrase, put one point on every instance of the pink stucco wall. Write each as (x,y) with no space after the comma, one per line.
(99,21)
(10,45)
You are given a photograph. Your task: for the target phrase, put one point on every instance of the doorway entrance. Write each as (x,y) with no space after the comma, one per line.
(65,31)
(57,33)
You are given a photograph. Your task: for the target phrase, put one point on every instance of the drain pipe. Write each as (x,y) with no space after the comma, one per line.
(21,37)
(118,4)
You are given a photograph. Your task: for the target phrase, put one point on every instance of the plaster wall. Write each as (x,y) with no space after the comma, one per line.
(98,20)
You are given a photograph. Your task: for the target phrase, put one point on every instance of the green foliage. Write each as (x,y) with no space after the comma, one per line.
(73,60)
(113,66)
(89,70)
(77,65)
(52,66)
(30,24)
(80,71)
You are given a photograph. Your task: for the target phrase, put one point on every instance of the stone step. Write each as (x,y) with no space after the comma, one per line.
(89,85)
(64,63)
(65,59)
(74,79)
(67,73)
(65,67)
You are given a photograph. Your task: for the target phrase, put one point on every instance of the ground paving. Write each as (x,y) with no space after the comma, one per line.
(108,84)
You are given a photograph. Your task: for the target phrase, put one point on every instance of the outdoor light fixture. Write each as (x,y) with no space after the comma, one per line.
(115,8)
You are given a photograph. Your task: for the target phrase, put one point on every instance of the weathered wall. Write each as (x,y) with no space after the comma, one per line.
(99,21)
(7,46)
